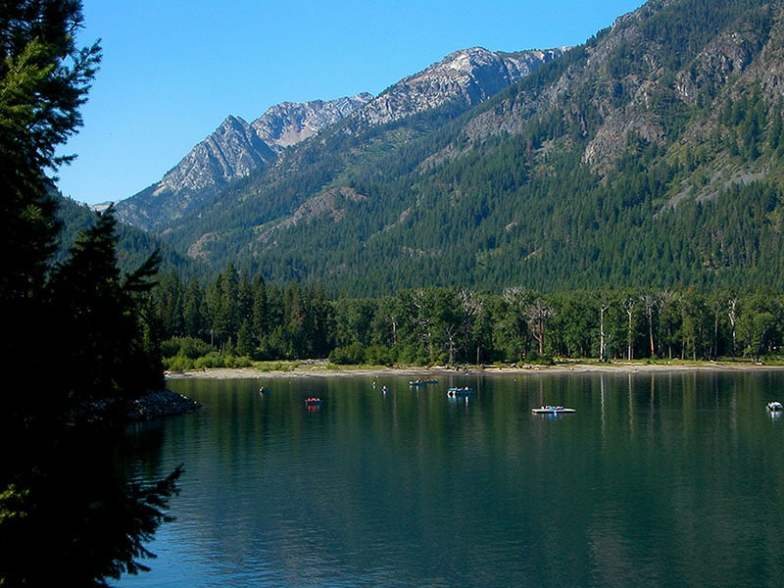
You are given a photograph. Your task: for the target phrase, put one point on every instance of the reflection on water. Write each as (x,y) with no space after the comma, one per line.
(668,480)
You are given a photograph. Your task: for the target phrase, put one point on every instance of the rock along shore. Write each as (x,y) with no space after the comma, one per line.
(160,403)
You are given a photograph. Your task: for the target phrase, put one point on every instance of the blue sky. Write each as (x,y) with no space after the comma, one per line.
(173,69)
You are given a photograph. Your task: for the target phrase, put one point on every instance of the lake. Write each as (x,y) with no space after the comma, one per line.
(672,479)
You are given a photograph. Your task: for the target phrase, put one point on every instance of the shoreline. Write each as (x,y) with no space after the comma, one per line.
(321,370)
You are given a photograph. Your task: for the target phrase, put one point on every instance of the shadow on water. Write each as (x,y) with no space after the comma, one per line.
(75,512)
(665,479)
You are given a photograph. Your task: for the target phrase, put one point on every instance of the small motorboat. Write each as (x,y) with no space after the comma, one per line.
(553,410)
(418,383)
(464,391)
(775,406)
(313,401)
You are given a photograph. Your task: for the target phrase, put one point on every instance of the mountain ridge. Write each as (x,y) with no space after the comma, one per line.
(473,75)
(235,150)
(289,123)
(238,149)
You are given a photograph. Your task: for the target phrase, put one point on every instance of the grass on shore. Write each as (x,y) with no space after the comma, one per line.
(314,365)
(320,365)
(722,361)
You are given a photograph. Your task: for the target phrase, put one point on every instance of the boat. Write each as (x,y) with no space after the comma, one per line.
(775,406)
(553,410)
(464,391)
(418,383)
(313,401)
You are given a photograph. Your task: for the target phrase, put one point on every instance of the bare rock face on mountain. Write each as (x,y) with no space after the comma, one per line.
(236,149)
(233,151)
(289,123)
(469,76)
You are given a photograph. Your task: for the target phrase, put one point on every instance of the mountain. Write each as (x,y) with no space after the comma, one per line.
(649,156)
(235,150)
(101,206)
(365,139)
(232,151)
(239,150)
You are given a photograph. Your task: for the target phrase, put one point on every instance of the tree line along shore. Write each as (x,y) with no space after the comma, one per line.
(236,321)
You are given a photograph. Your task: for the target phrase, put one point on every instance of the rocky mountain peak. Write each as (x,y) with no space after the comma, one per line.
(236,148)
(289,123)
(233,150)
(233,122)
(468,75)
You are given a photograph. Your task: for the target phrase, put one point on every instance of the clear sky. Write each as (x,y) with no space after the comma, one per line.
(174,69)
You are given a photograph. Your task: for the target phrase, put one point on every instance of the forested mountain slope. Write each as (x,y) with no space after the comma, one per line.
(360,130)
(651,156)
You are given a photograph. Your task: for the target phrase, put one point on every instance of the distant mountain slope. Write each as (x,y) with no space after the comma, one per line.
(652,155)
(234,150)
(363,141)
(238,150)
(133,245)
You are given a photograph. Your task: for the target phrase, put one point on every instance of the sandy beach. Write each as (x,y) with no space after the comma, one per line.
(321,369)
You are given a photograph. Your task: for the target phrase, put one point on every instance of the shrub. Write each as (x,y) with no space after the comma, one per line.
(233,361)
(211,360)
(379,355)
(189,347)
(178,363)
(534,358)
(350,355)
(410,355)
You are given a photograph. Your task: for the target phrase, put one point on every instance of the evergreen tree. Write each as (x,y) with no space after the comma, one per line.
(245,344)
(194,322)
(44,79)
(260,310)
(75,329)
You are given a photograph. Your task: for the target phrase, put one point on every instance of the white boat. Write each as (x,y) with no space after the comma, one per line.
(775,406)
(553,410)
(464,391)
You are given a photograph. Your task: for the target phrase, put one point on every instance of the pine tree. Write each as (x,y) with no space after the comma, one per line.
(260,309)
(104,346)
(245,344)
(44,79)
(194,321)
(79,333)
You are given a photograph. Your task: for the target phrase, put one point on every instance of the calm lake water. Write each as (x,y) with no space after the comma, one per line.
(667,480)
